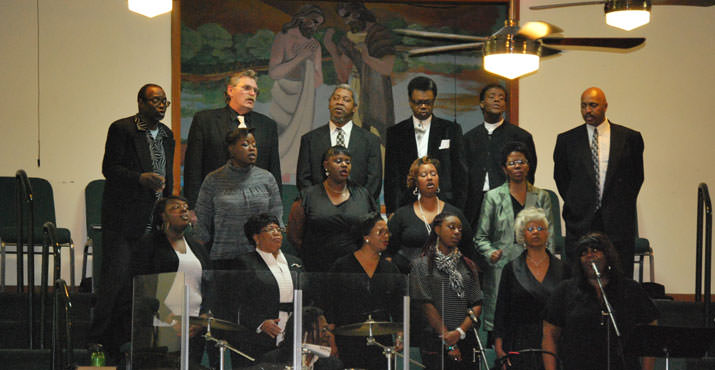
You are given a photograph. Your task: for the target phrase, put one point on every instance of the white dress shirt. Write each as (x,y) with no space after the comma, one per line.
(604,147)
(281,272)
(347,129)
(422,136)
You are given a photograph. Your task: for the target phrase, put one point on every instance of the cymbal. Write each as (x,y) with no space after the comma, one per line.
(362,329)
(215,323)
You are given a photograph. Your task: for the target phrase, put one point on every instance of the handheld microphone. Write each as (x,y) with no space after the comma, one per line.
(473,317)
(595,269)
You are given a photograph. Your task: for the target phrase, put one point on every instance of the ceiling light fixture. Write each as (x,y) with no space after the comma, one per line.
(509,55)
(627,14)
(150,8)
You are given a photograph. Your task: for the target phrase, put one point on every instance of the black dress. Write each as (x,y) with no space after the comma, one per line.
(408,235)
(328,231)
(575,308)
(520,302)
(353,295)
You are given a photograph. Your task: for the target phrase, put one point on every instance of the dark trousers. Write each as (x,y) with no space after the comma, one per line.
(111,321)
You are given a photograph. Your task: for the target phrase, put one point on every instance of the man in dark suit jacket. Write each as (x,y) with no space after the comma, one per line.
(206,145)
(138,163)
(483,146)
(420,135)
(603,197)
(363,145)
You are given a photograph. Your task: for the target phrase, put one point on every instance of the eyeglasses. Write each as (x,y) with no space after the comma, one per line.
(520,162)
(273,229)
(158,101)
(248,88)
(423,102)
(454,227)
(531,229)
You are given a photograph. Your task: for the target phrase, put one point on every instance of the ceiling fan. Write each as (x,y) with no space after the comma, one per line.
(627,14)
(514,51)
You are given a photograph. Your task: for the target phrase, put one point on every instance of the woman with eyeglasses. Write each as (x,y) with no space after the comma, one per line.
(231,194)
(322,218)
(445,284)
(494,238)
(364,284)
(574,327)
(410,225)
(168,249)
(525,286)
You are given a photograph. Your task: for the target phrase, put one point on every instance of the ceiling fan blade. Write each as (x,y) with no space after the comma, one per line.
(547,51)
(537,30)
(603,42)
(684,2)
(438,35)
(442,49)
(563,5)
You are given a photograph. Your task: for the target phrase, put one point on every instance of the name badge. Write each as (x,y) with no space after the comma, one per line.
(444,144)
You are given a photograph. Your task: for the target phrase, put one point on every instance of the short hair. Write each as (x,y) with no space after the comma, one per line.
(141,95)
(333,151)
(304,11)
(233,136)
(492,86)
(421,83)
(234,78)
(157,222)
(599,241)
(345,87)
(256,223)
(412,174)
(514,146)
(366,223)
(527,215)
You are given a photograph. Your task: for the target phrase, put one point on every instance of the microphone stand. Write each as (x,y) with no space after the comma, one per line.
(479,351)
(612,318)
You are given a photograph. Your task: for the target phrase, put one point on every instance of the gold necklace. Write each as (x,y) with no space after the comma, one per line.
(537,264)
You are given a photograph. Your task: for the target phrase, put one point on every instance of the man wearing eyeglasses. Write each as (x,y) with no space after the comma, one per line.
(483,146)
(137,165)
(206,149)
(420,135)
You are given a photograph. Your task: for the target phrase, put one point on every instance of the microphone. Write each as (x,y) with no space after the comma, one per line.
(473,317)
(595,269)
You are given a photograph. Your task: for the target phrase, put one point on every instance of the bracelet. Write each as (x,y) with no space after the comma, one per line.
(450,348)
(462,334)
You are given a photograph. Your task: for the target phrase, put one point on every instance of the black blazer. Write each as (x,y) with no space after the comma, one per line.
(401,151)
(576,181)
(366,158)
(259,295)
(483,153)
(127,205)
(206,146)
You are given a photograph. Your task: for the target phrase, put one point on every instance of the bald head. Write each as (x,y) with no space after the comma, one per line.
(593,106)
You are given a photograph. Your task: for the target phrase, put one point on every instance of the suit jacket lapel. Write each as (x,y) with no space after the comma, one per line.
(586,153)
(614,154)
(410,144)
(142,149)
(226,119)
(435,134)
(356,137)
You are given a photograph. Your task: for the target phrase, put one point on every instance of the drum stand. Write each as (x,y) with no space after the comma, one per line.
(478,353)
(389,352)
(222,346)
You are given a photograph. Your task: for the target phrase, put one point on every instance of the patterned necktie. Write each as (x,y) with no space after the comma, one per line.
(594,156)
(241,122)
(341,137)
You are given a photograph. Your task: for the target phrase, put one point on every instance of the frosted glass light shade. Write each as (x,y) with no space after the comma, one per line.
(511,65)
(150,8)
(628,19)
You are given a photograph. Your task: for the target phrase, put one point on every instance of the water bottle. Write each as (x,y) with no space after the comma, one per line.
(97,358)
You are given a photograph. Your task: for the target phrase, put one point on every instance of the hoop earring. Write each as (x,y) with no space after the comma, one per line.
(415,191)
(438,190)
(327,173)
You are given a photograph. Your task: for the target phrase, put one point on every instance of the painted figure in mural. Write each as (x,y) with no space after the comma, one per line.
(365,57)
(296,67)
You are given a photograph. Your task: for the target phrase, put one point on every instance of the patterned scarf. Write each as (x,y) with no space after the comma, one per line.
(448,265)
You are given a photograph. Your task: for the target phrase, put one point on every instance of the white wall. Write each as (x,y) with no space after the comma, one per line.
(662,90)
(94,56)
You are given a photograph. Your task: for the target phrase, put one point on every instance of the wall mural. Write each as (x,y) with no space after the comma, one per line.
(302,50)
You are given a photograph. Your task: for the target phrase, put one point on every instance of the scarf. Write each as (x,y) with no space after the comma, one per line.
(448,265)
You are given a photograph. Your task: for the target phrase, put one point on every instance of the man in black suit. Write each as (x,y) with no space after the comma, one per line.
(420,135)
(138,163)
(363,145)
(206,147)
(598,169)
(483,145)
